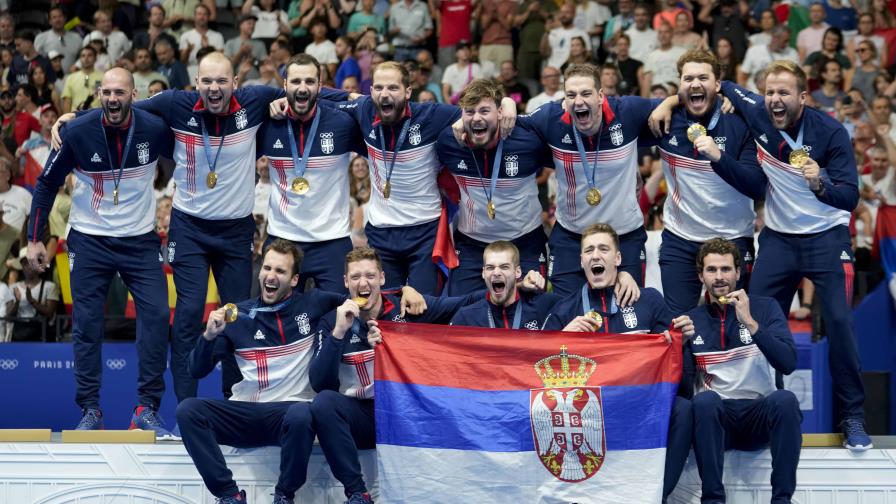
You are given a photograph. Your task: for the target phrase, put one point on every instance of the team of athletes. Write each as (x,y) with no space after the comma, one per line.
(299,364)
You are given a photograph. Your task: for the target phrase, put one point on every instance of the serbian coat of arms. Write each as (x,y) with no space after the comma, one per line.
(567,417)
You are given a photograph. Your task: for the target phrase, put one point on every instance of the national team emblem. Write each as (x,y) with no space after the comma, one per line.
(143,153)
(567,417)
(511,165)
(326,142)
(629,317)
(414,135)
(171,246)
(71,261)
(303,323)
(720,142)
(616,137)
(532,325)
(398,318)
(745,336)
(241,120)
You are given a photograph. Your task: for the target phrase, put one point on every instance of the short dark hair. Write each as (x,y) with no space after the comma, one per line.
(583,70)
(601,228)
(700,56)
(25,35)
(159,81)
(363,254)
(478,90)
(718,246)
(303,59)
(287,247)
(92,49)
(29,90)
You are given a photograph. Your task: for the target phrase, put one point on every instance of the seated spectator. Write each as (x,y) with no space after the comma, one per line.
(146,39)
(514,89)
(427,64)
(809,39)
(14,200)
(669,11)
(243,48)
(6,56)
(143,73)
(683,34)
(9,247)
(578,53)
(7,307)
(262,188)
(7,32)
(551,90)
(35,304)
(365,19)
(46,91)
(352,85)
(79,92)
(364,49)
(609,79)
(556,42)
(866,32)
(661,65)
(830,77)
(767,21)
(882,115)
(866,70)
(279,54)
(457,75)
(103,60)
(25,57)
(65,43)
(631,71)
(163,215)
(268,75)
(831,48)
(759,57)
(200,37)
(56,63)
(323,49)
(375,59)
(729,65)
(170,67)
(33,154)
(272,21)
(26,119)
(348,65)
(155,87)
(115,41)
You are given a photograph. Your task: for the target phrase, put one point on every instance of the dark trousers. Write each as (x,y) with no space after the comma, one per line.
(205,424)
(344,425)
(681,433)
(467,277)
(747,424)
(565,269)
(94,261)
(406,253)
(194,244)
(826,259)
(323,261)
(678,269)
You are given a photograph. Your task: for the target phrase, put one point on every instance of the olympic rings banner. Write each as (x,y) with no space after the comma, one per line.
(39,386)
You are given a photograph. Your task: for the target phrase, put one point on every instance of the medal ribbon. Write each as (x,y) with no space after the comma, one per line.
(586,301)
(496,167)
(298,164)
(584,157)
(116,178)
(207,144)
(713,121)
(398,144)
(799,138)
(273,308)
(517,315)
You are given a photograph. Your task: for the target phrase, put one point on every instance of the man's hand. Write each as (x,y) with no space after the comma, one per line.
(345,317)
(627,291)
(727,106)
(459,134)
(661,117)
(56,141)
(215,325)
(581,324)
(412,302)
(707,146)
(278,108)
(374,336)
(741,303)
(812,174)
(533,282)
(37,256)
(684,324)
(507,116)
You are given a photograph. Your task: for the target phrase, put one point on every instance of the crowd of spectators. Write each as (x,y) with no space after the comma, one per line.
(52,58)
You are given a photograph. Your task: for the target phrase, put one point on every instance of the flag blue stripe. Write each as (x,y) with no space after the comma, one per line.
(635,417)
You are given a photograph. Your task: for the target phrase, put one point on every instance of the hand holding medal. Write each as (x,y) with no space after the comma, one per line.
(812,173)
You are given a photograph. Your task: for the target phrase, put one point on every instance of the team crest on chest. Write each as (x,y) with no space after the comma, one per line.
(171,250)
(303,324)
(629,317)
(241,120)
(616,137)
(326,142)
(414,135)
(143,152)
(744,334)
(511,165)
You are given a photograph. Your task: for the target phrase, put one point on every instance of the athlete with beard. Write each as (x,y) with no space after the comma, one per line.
(308,153)
(594,309)
(809,168)
(498,192)
(593,141)
(342,369)
(506,306)
(113,152)
(701,205)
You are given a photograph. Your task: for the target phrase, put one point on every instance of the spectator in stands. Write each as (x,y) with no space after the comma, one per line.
(661,65)
(8,111)
(862,76)
(591,18)
(321,48)
(304,13)
(199,37)
(882,116)
(26,56)
(155,31)
(103,61)
(831,48)
(631,71)
(7,32)
(409,26)
(530,20)
(578,53)
(866,32)
(457,75)
(267,75)
(26,120)
(489,69)
(80,86)
(551,90)
(14,200)
(454,19)
(725,21)
(279,54)
(353,85)
(496,22)
(810,38)
(66,43)
(6,56)
(365,19)
(348,65)
(169,66)
(144,73)
(243,48)
(262,187)
(46,91)
(425,83)
(729,65)
(767,21)
(9,242)
(514,89)
(181,14)
(620,22)
(271,21)
(424,59)
(116,42)
(427,96)
(682,32)
(828,96)
(7,305)
(839,15)
(557,40)
(33,154)
(642,39)
(758,57)
(156,87)
(35,304)
(56,63)
(609,79)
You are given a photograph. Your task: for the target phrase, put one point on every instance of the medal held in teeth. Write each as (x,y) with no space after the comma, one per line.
(695,131)
(360,301)
(300,185)
(593,315)
(724,300)
(798,158)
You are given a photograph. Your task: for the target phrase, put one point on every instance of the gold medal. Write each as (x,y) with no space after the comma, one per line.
(211,180)
(593,196)
(387,189)
(231,313)
(490,209)
(798,158)
(300,185)
(115,196)
(360,301)
(724,300)
(593,315)
(695,131)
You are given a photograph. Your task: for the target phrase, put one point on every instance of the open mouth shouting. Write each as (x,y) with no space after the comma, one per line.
(499,288)
(387,107)
(215,100)
(270,288)
(697,99)
(114,112)
(301,102)
(479,132)
(583,116)
(364,293)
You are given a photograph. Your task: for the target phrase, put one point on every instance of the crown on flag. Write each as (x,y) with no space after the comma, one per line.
(547,370)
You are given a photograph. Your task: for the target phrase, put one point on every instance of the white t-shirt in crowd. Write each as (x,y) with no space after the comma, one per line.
(26,309)
(16,204)
(325,52)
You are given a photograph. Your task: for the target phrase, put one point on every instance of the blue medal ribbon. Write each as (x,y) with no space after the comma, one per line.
(589,176)
(263,309)
(798,144)
(496,168)
(207,144)
(398,144)
(586,301)
(116,178)
(517,315)
(299,164)
(714,120)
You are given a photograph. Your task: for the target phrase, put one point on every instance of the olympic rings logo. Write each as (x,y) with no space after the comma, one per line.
(116,364)
(8,364)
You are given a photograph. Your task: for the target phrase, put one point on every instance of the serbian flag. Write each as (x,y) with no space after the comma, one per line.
(473,415)
(884,247)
